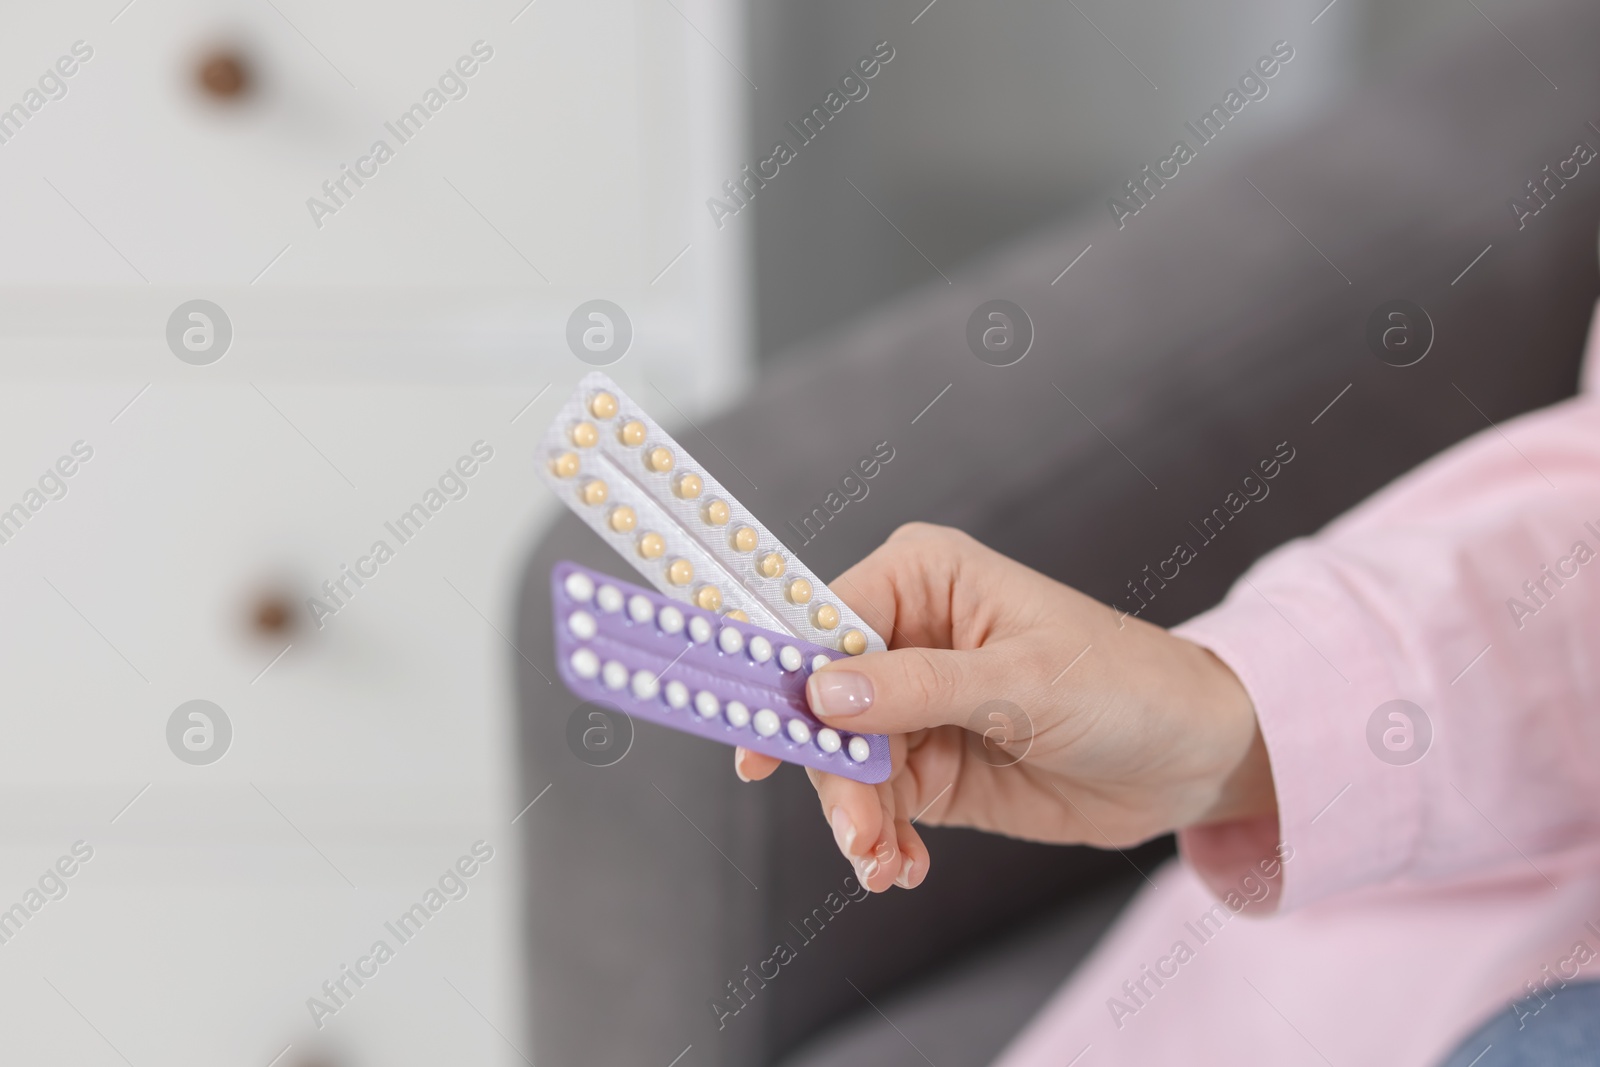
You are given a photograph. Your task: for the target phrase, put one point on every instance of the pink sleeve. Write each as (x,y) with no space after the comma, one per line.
(1470,588)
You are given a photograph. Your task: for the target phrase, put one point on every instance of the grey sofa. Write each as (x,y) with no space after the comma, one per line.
(1171,358)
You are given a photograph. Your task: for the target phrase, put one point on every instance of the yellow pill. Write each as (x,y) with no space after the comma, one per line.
(659,459)
(603,405)
(716,513)
(623,518)
(771,565)
(737,615)
(799,591)
(584,435)
(680,572)
(854,642)
(564,465)
(594,491)
(708,597)
(652,546)
(632,433)
(825,616)
(743,539)
(688,486)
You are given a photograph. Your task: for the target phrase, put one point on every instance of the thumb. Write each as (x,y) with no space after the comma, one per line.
(906,689)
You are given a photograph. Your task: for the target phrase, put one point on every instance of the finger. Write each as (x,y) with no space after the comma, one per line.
(753,766)
(910,689)
(902,588)
(879,870)
(854,812)
(914,856)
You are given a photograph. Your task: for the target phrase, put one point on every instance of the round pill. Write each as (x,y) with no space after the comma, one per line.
(645,685)
(859,749)
(622,518)
(798,591)
(582,625)
(670,620)
(688,486)
(699,630)
(716,513)
(760,649)
(789,658)
(594,492)
(680,572)
(640,609)
(706,705)
(585,664)
(609,597)
(579,586)
(736,615)
(652,545)
(631,433)
(730,640)
(798,731)
(771,565)
(743,539)
(766,722)
(659,459)
(825,616)
(828,740)
(708,597)
(677,695)
(564,465)
(818,662)
(602,405)
(738,715)
(584,435)
(614,675)
(854,642)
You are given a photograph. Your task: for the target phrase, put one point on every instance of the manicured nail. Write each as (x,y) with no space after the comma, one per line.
(865,870)
(738,764)
(839,694)
(844,830)
(903,879)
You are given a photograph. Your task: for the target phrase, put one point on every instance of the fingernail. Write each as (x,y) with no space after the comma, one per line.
(839,694)
(844,830)
(865,870)
(903,879)
(738,764)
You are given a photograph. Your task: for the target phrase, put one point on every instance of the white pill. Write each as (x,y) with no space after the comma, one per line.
(859,749)
(730,640)
(582,625)
(738,715)
(640,609)
(766,722)
(798,731)
(789,658)
(707,704)
(818,662)
(670,620)
(678,697)
(828,739)
(580,586)
(614,675)
(609,597)
(645,685)
(585,664)
(700,630)
(760,649)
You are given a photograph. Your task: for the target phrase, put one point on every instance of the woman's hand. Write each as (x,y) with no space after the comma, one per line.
(1016,705)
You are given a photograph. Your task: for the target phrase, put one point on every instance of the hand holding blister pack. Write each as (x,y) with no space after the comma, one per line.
(647,497)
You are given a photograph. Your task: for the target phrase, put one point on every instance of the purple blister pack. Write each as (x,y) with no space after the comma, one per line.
(705,674)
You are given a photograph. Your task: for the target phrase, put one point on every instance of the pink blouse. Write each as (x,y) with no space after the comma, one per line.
(1426,671)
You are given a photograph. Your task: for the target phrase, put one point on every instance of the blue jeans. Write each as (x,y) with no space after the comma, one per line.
(1562,1031)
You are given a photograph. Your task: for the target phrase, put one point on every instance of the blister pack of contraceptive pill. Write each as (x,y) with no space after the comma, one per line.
(642,492)
(696,671)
